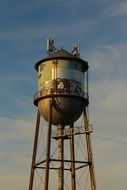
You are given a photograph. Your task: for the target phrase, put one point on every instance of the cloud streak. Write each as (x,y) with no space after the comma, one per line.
(15,151)
(116,10)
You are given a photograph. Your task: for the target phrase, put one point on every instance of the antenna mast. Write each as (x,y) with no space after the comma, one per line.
(76,50)
(50,47)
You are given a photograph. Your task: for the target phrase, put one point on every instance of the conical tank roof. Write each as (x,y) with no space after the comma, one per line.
(62,54)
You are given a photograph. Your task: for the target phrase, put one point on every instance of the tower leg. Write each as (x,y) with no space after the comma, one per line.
(89,152)
(34,151)
(72,155)
(61,158)
(48,146)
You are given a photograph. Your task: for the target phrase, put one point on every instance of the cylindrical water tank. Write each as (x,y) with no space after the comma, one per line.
(61,77)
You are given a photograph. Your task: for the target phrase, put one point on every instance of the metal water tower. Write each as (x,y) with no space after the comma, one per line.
(62,98)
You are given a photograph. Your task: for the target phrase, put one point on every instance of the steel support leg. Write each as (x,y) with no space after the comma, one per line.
(89,152)
(48,146)
(34,152)
(72,155)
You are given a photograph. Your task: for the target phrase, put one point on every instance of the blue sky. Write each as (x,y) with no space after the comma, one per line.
(101,28)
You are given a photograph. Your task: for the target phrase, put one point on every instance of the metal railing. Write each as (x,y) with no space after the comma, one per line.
(72,131)
(61,87)
(44,92)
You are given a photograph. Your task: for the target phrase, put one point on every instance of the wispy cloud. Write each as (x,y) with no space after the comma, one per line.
(108,61)
(108,92)
(116,9)
(15,181)
(110,157)
(15,151)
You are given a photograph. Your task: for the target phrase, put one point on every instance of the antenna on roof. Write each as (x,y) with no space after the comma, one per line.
(50,47)
(76,50)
